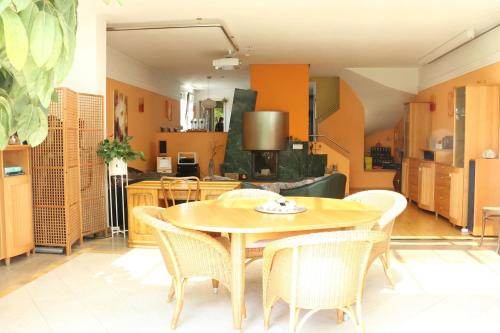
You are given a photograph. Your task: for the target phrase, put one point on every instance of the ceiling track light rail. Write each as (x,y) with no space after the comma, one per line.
(177,25)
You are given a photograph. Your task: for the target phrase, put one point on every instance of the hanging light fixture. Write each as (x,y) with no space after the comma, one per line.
(208,103)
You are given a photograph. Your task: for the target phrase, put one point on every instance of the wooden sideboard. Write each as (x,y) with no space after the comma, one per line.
(149,193)
(16,214)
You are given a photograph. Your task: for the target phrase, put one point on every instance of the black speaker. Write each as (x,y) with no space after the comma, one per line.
(163,148)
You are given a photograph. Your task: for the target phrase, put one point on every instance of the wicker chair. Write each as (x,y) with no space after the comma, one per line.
(186,253)
(392,205)
(255,242)
(318,271)
(192,185)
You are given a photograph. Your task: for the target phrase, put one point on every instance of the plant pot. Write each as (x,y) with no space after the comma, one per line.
(117,167)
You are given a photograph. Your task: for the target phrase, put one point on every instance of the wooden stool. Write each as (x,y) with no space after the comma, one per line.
(488,214)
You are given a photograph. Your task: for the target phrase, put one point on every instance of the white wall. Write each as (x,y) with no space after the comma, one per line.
(483,51)
(403,79)
(123,68)
(88,74)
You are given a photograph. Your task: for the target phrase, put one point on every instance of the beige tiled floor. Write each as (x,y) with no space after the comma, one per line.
(415,222)
(442,286)
(22,270)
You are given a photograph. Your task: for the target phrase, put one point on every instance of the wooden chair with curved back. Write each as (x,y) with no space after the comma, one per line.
(190,186)
(186,253)
(392,204)
(316,272)
(256,242)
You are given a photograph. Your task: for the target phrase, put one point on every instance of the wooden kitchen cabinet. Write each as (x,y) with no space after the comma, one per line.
(149,193)
(426,181)
(477,120)
(413,177)
(442,190)
(417,128)
(405,169)
(16,214)
(457,196)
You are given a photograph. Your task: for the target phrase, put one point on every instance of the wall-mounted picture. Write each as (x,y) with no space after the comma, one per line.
(141,104)
(120,107)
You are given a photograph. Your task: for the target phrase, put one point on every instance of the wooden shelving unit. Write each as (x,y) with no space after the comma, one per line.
(16,222)
(475,129)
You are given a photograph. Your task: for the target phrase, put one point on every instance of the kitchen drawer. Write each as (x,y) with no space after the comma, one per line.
(413,192)
(442,188)
(443,181)
(443,169)
(443,197)
(413,181)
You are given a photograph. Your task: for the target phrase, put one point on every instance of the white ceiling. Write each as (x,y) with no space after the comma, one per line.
(330,35)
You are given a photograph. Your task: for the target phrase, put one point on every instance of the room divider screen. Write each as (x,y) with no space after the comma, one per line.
(68,177)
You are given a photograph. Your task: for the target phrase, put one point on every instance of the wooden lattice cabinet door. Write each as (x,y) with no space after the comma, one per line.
(92,167)
(56,177)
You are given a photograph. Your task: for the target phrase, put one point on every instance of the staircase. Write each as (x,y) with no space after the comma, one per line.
(336,154)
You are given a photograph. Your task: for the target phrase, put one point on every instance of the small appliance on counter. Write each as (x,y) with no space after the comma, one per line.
(164,164)
(187,164)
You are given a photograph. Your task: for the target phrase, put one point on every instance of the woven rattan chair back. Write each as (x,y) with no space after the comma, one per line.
(189,185)
(186,253)
(392,205)
(318,271)
(249,193)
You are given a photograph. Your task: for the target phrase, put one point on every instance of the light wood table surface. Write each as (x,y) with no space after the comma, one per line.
(239,218)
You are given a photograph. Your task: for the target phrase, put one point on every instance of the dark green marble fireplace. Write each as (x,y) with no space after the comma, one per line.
(293,164)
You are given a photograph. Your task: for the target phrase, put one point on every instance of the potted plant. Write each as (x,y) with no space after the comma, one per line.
(117,153)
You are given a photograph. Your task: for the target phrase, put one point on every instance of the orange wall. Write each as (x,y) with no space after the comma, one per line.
(199,142)
(284,88)
(442,122)
(347,127)
(142,126)
(384,137)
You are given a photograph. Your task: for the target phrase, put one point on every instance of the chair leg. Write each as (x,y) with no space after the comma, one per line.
(293,316)
(384,258)
(297,314)
(215,285)
(268,307)
(360,326)
(340,316)
(483,225)
(180,301)
(267,316)
(498,244)
(171,292)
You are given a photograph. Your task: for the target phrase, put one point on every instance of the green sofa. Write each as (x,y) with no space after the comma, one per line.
(332,186)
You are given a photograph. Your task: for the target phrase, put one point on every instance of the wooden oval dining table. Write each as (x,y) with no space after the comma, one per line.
(239,218)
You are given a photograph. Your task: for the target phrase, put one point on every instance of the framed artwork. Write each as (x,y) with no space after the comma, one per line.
(141,104)
(168,110)
(120,107)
